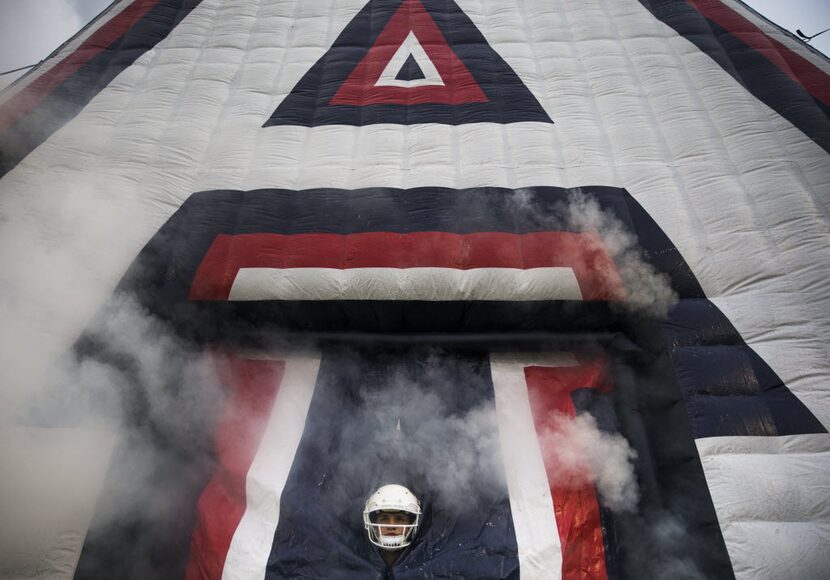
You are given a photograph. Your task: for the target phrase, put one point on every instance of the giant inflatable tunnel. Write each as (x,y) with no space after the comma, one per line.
(556,266)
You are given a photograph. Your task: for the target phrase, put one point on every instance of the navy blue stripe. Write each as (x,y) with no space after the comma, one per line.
(728,389)
(67,100)
(749,68)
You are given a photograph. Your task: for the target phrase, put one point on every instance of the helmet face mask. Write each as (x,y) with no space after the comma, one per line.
(393,536)
(391,517)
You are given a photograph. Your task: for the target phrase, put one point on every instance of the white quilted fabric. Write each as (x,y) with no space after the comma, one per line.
(742,193)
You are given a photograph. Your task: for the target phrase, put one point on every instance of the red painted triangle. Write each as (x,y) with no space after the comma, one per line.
(360,87)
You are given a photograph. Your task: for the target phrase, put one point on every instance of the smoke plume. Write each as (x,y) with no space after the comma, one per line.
(583,455)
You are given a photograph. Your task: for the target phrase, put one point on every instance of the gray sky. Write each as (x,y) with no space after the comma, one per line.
(31,29)
(811,16)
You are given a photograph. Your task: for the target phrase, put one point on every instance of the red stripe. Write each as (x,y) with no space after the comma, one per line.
(32,95)
(583,252)
(799,69)
(253,385)
(575,503)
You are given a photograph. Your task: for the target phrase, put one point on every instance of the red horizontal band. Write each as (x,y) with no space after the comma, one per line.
(584,253)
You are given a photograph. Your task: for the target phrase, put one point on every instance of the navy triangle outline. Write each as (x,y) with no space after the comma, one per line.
(510,101)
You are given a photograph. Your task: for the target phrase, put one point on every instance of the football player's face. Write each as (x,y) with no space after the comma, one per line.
(392,523)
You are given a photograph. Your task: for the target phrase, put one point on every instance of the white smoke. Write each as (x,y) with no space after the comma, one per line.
(458,456)
(136,391)
(647,290)
(665,548)
(421,434)
(582,455)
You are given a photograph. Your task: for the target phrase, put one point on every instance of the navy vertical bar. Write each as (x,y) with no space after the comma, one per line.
(351,445)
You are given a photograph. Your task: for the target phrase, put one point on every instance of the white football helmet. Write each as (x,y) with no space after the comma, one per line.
(392,498)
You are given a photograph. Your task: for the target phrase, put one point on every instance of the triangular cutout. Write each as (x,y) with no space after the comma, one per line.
(366,86)
(407,62)
(410,71)
(414,68)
